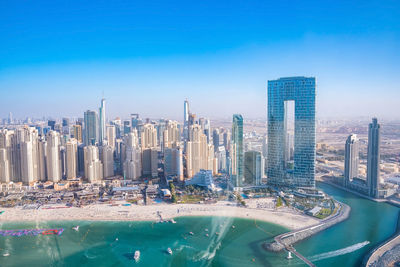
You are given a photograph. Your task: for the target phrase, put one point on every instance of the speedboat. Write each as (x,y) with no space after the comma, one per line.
(6,254)
(169,250)
(136,257)
(191,233)
(76,228)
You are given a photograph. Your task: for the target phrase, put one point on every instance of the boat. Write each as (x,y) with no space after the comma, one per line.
(76,228)
(207,235)
(233,227)
(289,256)
(6,254)
(206,230)
(173,221)
(191,233)
(136,257)
(169,250)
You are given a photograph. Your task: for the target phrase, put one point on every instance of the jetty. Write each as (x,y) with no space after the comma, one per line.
(286,240)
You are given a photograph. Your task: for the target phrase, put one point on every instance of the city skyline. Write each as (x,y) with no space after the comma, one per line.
(58,63)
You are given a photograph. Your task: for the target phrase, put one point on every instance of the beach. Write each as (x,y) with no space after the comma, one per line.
(257,209)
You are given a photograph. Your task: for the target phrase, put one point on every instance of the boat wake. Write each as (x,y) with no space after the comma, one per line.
(338,252)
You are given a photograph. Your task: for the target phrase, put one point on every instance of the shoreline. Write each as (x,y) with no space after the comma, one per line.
(104,212)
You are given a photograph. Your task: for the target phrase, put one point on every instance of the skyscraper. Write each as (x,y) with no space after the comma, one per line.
(93,166)
(252,168)
(77,132)
(351,159)
(237,151)
(301,90)
(71,161)
(102,119)
(111,135)
(53,162)
(91,128)
(131,156)
(199,154)
(107,158)
(149,136)
(28,154)
(186,120)
(373,163)
(171,134)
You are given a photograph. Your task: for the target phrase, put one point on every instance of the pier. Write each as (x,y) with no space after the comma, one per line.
(286,240)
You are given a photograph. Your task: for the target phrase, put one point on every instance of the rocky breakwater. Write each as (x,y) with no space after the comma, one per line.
(286,240)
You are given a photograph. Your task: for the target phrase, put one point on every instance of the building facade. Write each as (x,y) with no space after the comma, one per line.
(301,90)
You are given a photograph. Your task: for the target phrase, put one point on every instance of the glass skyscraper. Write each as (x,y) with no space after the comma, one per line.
(373,158)
(237,151)
(301,90)
(91,128)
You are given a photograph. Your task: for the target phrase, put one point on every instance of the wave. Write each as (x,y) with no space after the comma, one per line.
(338,252)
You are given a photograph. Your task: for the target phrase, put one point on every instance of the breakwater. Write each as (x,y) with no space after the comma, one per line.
(286,240)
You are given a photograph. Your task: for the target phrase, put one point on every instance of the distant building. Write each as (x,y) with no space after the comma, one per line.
(111,135)
(373,163)
(102,121)
(148,136)
(77,132)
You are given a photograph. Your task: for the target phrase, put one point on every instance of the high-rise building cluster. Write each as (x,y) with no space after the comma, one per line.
(94,148)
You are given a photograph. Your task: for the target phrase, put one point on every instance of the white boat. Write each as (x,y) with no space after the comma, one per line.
(136,257)
(169,250)
(233,227)
(6,254)
(173,221)
(289,256)
(76,228)
(206,230)
(191,233)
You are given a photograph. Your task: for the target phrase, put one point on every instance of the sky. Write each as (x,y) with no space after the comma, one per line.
(58,58)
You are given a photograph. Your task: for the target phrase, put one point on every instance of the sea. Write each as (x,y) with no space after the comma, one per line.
(216,241)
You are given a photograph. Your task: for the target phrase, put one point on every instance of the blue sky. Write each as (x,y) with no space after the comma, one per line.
(58,57)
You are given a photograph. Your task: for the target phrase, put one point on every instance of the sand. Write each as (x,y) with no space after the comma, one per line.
(257,209)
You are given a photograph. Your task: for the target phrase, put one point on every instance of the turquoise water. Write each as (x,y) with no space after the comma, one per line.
(113,243)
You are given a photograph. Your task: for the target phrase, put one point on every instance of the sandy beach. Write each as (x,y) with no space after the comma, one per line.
(257,209)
